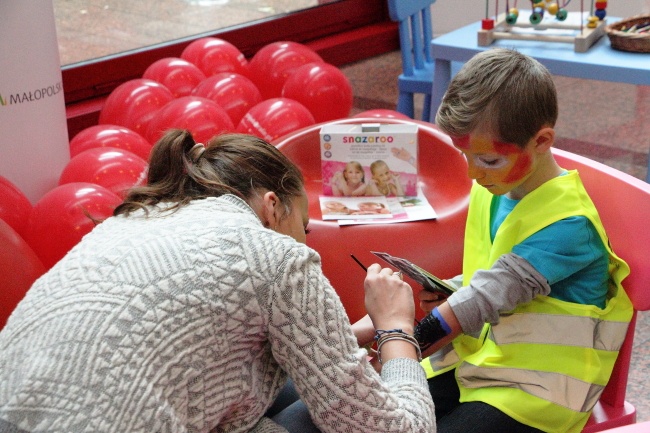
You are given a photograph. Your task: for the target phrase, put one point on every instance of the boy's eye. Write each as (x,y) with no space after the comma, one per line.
(489,162)
(307,230)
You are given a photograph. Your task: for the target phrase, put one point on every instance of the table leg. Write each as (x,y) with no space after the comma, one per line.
(441,78)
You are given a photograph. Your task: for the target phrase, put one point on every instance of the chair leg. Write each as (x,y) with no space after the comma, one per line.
(405,104)
(427,116)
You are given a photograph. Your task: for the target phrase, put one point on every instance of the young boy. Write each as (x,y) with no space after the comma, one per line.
(537,323)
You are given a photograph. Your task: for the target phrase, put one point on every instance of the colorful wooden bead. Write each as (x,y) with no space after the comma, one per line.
(487,24)
(601,14)
(592,22)
(552,8)
(601,5)
(537,15)
(562,14)
(512,16)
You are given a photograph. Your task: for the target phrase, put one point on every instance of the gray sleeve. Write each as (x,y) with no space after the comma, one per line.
(457,281)
(511,281)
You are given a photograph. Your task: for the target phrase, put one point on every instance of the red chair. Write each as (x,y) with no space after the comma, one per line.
(434,244)
(624,206)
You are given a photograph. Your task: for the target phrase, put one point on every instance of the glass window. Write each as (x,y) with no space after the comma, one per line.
(341,31)
(91,29)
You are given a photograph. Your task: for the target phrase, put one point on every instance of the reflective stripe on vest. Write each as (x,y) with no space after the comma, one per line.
(565,330)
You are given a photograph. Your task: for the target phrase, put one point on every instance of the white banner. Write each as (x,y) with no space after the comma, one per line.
(34,146)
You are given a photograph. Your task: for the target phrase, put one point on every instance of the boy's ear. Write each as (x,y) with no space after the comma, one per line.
(544,139)
(270,210)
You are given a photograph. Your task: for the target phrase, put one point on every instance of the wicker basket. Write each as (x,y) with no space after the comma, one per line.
(635,42)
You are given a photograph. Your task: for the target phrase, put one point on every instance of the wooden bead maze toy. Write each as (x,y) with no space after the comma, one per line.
(583,31)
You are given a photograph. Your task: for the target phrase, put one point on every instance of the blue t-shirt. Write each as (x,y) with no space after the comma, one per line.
(569,253)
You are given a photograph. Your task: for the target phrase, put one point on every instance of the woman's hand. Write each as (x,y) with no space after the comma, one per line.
(389,300)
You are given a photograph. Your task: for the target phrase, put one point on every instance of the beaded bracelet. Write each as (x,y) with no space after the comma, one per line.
(396,334)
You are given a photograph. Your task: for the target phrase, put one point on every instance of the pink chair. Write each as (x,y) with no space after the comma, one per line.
(624,206)
(434,244)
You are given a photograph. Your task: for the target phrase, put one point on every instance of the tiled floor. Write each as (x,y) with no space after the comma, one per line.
(607,122)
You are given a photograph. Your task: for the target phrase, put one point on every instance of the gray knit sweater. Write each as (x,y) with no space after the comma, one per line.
(190,322)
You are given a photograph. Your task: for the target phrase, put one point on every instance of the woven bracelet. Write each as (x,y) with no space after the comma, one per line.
(398,336)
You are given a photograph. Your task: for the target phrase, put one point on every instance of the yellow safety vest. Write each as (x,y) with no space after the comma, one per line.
(546,372)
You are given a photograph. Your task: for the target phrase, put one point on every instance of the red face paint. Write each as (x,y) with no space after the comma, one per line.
(522,162)
(497,165)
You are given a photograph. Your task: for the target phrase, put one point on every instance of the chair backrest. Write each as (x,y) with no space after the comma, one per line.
(415,31)
(623,203)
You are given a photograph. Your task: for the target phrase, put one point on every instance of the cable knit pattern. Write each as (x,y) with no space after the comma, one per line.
(187,322)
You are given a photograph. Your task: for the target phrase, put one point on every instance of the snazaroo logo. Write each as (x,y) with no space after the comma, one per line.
(30,95)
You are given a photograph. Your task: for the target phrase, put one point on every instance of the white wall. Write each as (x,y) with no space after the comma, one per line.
(452,14)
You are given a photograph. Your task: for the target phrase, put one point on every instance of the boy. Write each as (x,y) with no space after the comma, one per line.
(541,314)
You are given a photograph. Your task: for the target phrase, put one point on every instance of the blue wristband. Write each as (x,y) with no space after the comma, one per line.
(445,326)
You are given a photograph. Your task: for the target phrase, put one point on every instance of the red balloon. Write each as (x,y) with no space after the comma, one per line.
(110,136)
(178,75)
(322,88)
(63,216)
(115,169)
(202,117)
(19,267)
(382,113)
(233,92)
(274,118)
(214,55)
(274,63)
(133,104)
(15,207)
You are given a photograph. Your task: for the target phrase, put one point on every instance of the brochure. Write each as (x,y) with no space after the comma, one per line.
(428,281)
(403,209)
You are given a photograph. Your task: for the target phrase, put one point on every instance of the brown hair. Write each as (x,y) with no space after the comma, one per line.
(510,93)
(180,170)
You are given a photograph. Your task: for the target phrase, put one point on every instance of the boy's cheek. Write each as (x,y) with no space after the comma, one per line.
(520,168)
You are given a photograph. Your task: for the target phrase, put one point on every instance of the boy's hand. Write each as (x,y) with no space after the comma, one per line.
(430,300)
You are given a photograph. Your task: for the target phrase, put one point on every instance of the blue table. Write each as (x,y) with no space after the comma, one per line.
(600,62)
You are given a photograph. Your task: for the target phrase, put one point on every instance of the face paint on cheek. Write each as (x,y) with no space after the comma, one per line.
(520,169)
(522,162)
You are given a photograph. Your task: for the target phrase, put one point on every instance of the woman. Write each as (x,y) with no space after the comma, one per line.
(187,310)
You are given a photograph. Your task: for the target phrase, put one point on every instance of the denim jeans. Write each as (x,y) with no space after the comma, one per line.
(290,412)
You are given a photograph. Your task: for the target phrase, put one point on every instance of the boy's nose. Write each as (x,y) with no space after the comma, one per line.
(474,172)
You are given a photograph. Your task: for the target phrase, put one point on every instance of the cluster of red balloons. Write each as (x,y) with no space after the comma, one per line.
(211,88)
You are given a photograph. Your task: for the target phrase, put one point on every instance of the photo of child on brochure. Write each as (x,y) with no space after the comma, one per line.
(335,208)
(356,164)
